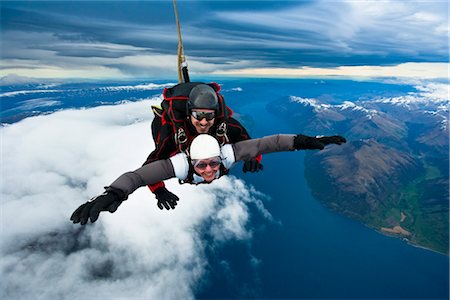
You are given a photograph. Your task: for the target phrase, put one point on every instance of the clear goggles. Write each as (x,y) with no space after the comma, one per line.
(202,164)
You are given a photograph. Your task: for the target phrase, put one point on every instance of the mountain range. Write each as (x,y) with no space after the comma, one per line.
(392,174)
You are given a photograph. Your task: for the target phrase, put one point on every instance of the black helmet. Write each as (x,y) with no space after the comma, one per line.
(204,97)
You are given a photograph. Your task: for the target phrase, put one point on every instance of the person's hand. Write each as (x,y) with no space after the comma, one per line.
(252,165)
(166,199)
(334,139)
(108,201)
(312,143)
(304,142)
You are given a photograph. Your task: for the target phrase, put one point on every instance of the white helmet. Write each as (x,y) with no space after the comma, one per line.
(204,146)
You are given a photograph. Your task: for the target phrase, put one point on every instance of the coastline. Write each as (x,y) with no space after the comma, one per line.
(396,230)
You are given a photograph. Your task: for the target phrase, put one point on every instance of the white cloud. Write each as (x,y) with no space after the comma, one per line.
(139,87)
(52,71)
(435,91)
(433,97)
(412,70)
(24,92)
(51,164)
(38,102)
(13,79)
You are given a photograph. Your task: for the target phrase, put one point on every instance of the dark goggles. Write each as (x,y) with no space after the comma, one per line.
(203,164)
(200,115)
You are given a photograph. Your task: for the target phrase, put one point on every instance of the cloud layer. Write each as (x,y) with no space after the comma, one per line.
(51,164)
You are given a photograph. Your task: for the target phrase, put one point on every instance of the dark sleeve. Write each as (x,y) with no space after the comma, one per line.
(236,132)
(163,137)
(248,149)
(148,174)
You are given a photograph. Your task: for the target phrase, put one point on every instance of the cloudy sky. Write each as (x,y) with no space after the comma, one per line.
(122,39)
(52,162)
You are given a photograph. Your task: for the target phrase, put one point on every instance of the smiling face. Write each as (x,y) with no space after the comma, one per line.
(207,168)
(203,125)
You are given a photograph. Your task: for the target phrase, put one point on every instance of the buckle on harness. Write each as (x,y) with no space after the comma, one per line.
(222,129)
(181,136)
(221,133)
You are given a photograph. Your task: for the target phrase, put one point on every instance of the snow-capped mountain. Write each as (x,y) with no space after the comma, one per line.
(398,147)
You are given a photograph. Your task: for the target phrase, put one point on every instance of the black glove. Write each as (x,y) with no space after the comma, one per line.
(252,165)
(110,200)
(166,198)
(308,142)
(334,139)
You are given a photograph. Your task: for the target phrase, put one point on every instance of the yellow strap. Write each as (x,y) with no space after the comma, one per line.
(181,58)
(157,110)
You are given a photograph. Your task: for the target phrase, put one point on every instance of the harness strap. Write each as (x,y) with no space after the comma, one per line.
(157,111)
(221,134)
(181,138)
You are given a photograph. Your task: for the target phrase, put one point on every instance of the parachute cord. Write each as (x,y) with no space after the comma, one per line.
(182,65)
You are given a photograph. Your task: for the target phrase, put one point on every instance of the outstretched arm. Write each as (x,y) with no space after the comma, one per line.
(148,174)
(119,190)
(282,142)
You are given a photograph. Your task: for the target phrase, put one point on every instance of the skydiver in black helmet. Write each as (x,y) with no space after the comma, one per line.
(190,109)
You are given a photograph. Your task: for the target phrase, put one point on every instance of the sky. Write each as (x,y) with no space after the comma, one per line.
(139,251)
(130,39)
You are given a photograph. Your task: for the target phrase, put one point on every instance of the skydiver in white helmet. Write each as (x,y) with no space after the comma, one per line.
(205,162)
